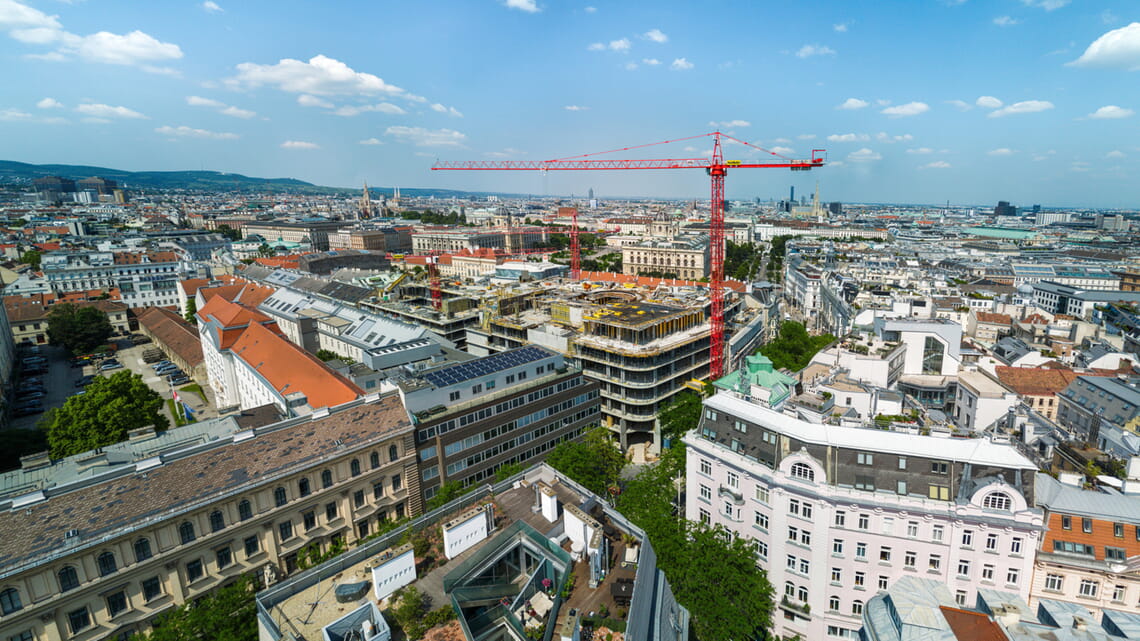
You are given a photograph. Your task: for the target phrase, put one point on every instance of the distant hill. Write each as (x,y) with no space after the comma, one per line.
(12,171)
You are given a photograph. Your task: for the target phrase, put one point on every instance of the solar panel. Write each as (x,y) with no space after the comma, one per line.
(485,366)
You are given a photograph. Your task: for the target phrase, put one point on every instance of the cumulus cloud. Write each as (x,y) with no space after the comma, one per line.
(1110,112)
(189,132)
(14,115)
(212,7)
(383,107)
(299,144)
(840,28)
(1005,21)
(1116,49)
(782,151)
(1023,107)
(937,164)
(221,107)
(1001,151)
(988,102)
(848,138)
(728,124)
(49,103)
(621,45)
(921,151)
(305,100)
(238,112)
(319,76)
(99,110)
(808,51)
(371,141)
(853,103)
(864,155)
(657,36)
(961,105)
(451,111)
(198,101)
(134,48)
(421,137)
(1048,5)
(1114,154)
(529,6)
(909,109)
(681,64)
(575,108)
(652,62)
(590,9)
(883,136)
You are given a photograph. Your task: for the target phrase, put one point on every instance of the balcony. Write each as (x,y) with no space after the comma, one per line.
(736,497)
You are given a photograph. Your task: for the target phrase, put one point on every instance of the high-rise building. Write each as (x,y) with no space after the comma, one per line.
(1003,208)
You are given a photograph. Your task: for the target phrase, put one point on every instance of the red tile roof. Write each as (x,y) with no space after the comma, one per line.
(972,626)
(173,333)
(995,319)
(288,368)
(1035,381)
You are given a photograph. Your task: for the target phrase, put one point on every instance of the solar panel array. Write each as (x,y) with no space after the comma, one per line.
(485,366)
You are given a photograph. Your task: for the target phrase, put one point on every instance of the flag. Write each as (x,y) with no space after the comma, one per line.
(175,396)
(186,408)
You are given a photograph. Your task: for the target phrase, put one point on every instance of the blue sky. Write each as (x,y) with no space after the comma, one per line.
(918,101)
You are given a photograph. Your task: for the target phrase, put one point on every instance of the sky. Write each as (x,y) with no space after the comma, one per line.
(915,101)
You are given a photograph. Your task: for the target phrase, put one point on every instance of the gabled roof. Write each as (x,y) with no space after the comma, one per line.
(1035,381)
(288,368)
(996,319)
(175,334)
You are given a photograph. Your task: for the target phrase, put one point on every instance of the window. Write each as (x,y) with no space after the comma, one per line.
(152,588)
(217,521)
(840,518)
(960,597)
(740,426)
(987,572)
(864,482)
(1088,588)
(1118,593)
(802,471)
(864,522)
(374,460)
(900,488)
(279,497)
(902,462)
(885,554)
(909,559)
(1015,545)
(706,493)
(78,620)
(26,635)
(863,458)
(116,603)
(935,562)
(963,568)
(833,604)
(186,532)
(997,501)
(252,545)
(1054,582)
(761,550)
(991,542)
(1012,576)
(478,389)
(939,492)
(1066,522)
(967,538)
(396,484)
(728,511)
(1113,554)
(245,510)
(393,453)
(10,601)
(836,575)
(285,529)
(938,467)
(761,494)
(882,582)
(704,516)
(303,487)
(856,607)
(733,480)
(936,533)
(106,563)
(326,479)
(194,570)
(860,579)
(378,490)
(330,511)
(706,467)
(453,396)
(354,467)
(861,550)
(802,594)
(912,529)
(142,550)
(760,521)
(1086,526)
(1118,530)
(358,498)
(224,557)
(837,546)
(68,579)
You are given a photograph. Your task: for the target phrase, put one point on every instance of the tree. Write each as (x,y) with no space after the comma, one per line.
(265,251)
(31,257)
(681,414)
(447,493)
(595,462)
(79,329)
(110,409)
(794,347)
(228,613)
(191,311)
(230,233)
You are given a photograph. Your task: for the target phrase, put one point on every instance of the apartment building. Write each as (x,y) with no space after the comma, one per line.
(981,400)
(315,233)
(473,418)
(394,240)
(1037,387)
(1100,410)
(97,545)
(802,282)
(686,257)
(838,514)
(449,240)
(143,279)
(1078,302)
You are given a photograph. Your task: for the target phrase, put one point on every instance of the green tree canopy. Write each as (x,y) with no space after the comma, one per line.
(230,233)
(31,257)
(111,408)
(79,329)
(595,461)
(681,414)
(191,311)
(228,613)
(794,347)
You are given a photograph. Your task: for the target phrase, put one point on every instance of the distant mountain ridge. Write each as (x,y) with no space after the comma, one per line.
(203,180)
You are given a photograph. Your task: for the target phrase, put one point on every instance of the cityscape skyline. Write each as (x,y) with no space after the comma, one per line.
(1039,108)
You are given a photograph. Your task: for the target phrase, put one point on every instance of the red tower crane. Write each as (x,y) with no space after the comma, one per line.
(716,167)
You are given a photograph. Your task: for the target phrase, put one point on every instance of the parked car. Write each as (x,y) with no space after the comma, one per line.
(34,361)
(24,388)
(27,410)
(166,370)
(161,364)
(29,396)
(110,365)
(178,379)
(85,381)
(139,339)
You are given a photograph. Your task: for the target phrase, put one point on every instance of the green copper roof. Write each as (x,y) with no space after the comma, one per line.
(757,370)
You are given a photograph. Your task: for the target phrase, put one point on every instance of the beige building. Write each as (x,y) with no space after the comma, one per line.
(314,233)
(28,316)
(685,256)
(95,550)
(394,240)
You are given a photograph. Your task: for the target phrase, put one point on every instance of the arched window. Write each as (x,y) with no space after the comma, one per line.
(802,471)
(303,487)
(106,563)
(10,601)
(326,479)
(279,497)
(997,501)
(354,467)
(856,607)
(374,459)
(393,453)
(245,510)
(217,521)
(68,579)
(142,550)
(186,531)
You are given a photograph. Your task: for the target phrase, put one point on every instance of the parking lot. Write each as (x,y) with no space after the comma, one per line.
(58,382)
(131,356)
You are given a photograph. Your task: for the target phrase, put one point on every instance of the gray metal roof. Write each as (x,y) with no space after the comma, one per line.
(1056,496)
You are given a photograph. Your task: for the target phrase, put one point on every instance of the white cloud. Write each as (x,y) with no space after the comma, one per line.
(808,51)
(299,144)
(38,36)
(652,62)
(305,100)
(383,107)
(446,110)
(848,138)
(1114,154)
(1001,151)
(882,102)
(727,124)
(596,46)
(1023,107)
(238,112)
(198,101)
(782,151)
(784,141)
(961,105)
(1005,21)
(427,137)
(630,66)
(1109,112)
(98,110)
(937,164)
(921,151)
(621,44)
(212,7)
(14,15)
(1116,49)
(853,103)
(321,76)
(528,6)
(806,137)
(371,141)
(14,115)
(883,136)
(681,64)
(656,36)
(909,109)
(840,28)
(864,155)
(590,9)
(188,132)
(49,103)
(1048,5)
(575,108)
(134,48)
(988,102)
